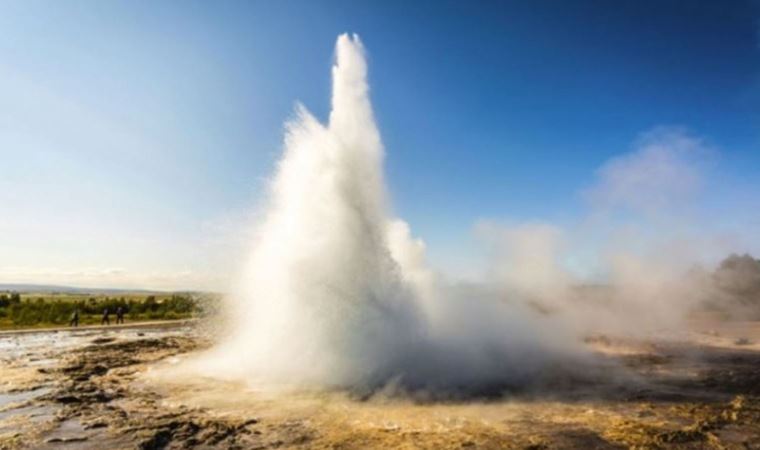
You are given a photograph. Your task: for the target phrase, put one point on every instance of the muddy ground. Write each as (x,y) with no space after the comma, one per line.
(99,389)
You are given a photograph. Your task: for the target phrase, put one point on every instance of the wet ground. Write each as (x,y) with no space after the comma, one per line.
(111,389)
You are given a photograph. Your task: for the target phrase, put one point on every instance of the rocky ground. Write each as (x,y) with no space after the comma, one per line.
(91,390)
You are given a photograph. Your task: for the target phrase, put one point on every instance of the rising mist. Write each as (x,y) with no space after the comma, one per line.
(337,293)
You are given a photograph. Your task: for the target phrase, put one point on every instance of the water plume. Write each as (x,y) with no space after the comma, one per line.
(337,292)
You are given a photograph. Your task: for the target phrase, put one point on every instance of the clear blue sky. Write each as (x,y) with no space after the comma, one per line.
(135,136)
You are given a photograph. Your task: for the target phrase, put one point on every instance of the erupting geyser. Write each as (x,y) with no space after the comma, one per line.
(336,293)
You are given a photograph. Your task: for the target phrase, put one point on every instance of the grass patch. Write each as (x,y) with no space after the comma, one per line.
(40,310)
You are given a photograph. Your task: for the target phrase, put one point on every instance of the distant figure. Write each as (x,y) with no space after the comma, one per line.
(74,322)
(105,320)
(119,315)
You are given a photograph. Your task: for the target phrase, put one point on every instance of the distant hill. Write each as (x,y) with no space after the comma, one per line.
(49,288)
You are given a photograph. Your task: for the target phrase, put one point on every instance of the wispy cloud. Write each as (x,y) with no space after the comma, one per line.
(665,168)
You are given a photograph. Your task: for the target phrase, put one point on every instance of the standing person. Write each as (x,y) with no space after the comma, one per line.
(74,322)
(119,315)
(105,320)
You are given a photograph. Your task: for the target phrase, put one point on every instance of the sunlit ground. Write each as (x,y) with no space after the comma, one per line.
(121,389)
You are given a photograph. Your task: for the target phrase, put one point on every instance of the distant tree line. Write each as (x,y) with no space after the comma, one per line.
(41,310)
(9,299)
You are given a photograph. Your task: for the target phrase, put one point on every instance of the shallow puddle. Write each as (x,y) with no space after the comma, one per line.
(7,400)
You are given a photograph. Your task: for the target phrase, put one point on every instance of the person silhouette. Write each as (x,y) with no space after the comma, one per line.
(105,320)
(119,315)
(74,322)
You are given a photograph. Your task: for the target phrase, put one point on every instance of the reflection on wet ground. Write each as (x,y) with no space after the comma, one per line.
(30,368)
(7,400)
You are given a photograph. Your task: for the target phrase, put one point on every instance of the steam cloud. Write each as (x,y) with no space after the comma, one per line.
(337,292)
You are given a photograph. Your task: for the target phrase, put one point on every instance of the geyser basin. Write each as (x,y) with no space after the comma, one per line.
(337,294)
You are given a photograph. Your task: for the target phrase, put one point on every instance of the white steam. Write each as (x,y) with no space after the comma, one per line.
(337,292)
(628,265)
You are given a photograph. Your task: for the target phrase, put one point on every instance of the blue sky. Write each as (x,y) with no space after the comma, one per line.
(135,137)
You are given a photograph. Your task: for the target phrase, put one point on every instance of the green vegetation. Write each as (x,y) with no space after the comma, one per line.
(24,310)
